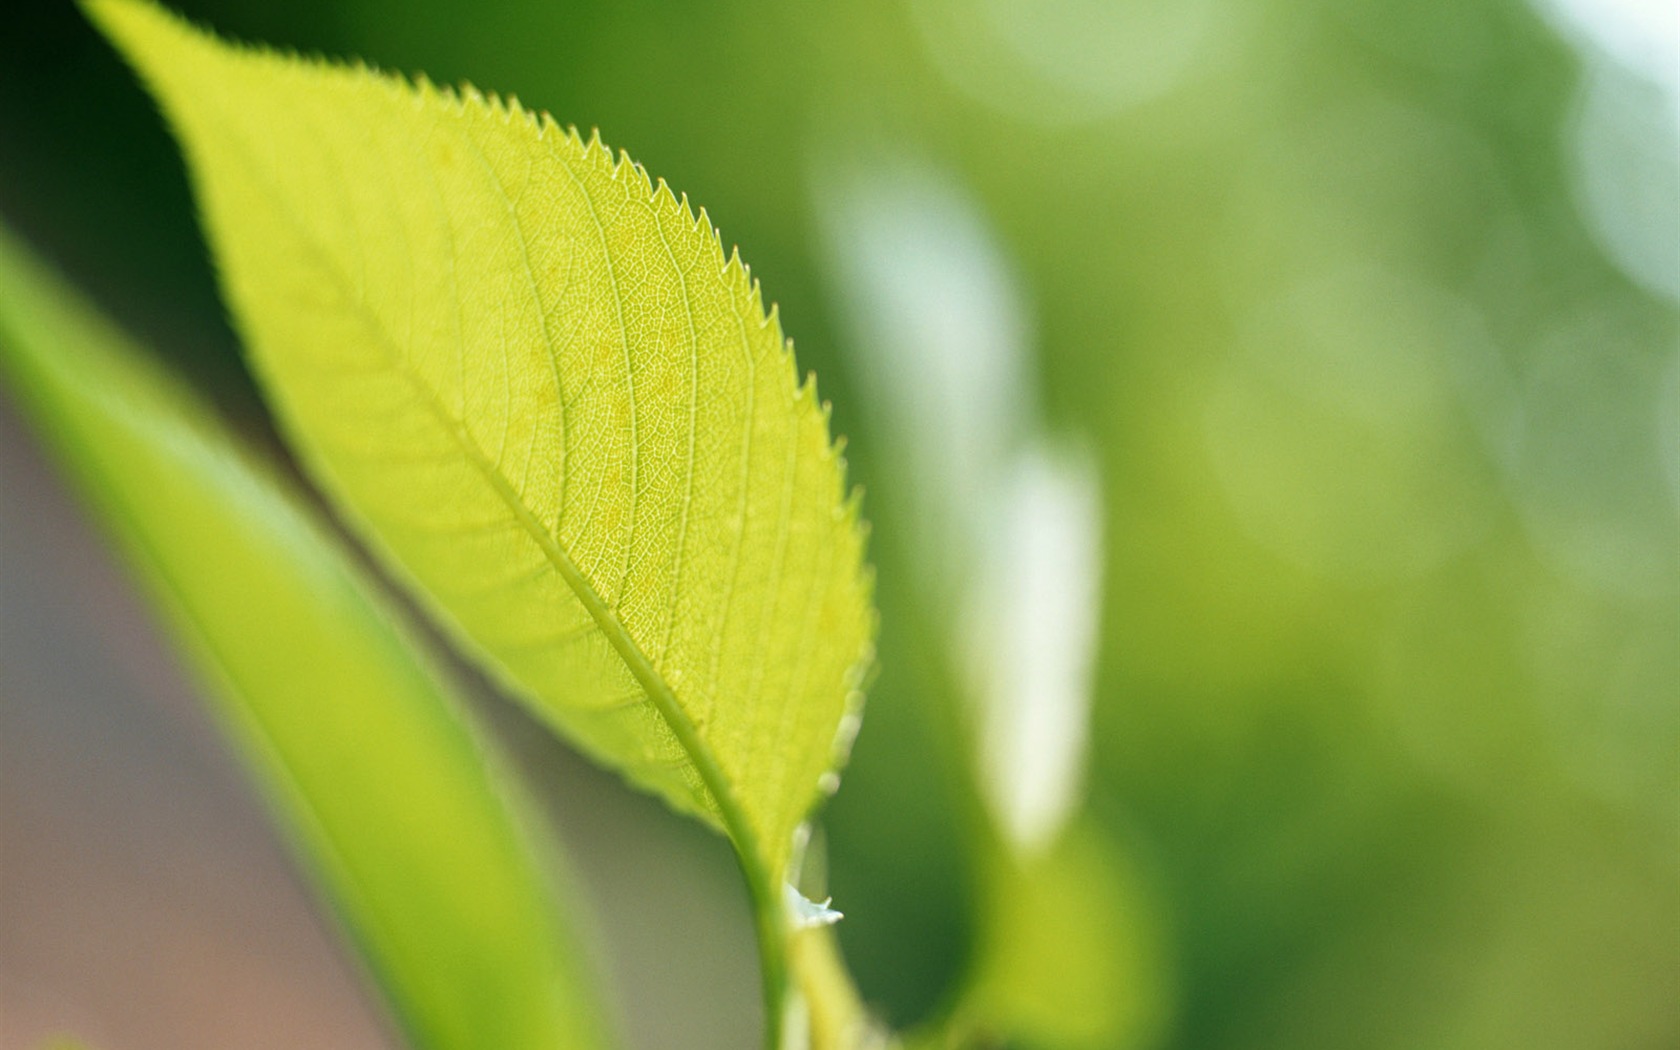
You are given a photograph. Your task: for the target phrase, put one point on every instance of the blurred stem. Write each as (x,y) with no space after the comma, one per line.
(820,1008)
(831,1013)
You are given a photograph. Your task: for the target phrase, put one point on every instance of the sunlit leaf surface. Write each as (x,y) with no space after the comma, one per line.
(535,383)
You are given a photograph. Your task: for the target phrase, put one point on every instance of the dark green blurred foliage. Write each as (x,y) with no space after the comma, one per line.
(1388,694)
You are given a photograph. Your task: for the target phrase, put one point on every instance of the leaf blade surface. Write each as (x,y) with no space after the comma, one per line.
(534,382)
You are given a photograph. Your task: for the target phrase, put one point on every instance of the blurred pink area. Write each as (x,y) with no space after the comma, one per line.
(144,902)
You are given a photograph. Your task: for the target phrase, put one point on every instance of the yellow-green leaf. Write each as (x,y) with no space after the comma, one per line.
(535,384)
(370,767)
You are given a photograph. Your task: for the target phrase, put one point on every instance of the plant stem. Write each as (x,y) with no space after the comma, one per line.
(771,929)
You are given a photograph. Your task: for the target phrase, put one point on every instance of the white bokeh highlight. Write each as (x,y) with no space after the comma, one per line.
(1065,63)
(1031,634)
(1007,528)
(938,332)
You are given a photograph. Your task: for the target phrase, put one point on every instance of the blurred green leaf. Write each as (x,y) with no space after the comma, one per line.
(1069,957)
(389,797)
(1065,959)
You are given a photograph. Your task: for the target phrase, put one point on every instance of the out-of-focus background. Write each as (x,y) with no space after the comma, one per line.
(1270,414)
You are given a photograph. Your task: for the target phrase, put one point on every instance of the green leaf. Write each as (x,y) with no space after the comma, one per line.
(383,788)
(1070,956)
(536,386)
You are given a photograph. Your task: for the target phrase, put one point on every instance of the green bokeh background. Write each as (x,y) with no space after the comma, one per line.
(1387,704)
